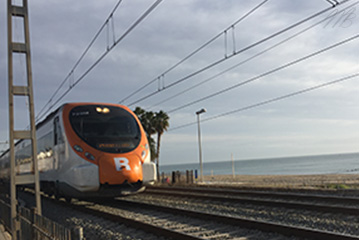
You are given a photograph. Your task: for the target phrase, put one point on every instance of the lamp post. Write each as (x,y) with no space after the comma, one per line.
(199,143)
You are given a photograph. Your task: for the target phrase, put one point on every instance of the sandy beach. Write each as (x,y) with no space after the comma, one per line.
(318,181)
(288,181)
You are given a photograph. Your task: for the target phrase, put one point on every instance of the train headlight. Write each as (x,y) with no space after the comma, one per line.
(78,148)
(89,156)
(102,110)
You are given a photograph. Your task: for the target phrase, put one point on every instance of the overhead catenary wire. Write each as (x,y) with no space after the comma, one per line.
(194,52)
(249,58)
(267,73)
(333,2)
(70,74)
(259,104)
(217,62)
(109,48)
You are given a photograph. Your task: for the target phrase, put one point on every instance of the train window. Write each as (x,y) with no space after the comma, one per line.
(56,122)
(106,128)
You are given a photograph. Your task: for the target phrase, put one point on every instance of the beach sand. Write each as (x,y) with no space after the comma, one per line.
(287,181)
(319,181)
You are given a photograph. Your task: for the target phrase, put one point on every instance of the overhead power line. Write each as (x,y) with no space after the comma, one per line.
(250,58)
(259,104)
(267,73)
(235,53)
(194,52)
(108,49)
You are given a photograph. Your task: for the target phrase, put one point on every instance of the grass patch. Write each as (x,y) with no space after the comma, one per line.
(338,186)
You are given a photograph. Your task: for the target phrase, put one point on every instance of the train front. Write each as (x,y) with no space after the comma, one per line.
(111,138)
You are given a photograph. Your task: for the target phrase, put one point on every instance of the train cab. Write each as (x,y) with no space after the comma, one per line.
(90,149)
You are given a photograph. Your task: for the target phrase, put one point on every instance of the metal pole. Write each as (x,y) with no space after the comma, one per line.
(200,150)
(21,11)
(35,169)
(11,126)
(200,143)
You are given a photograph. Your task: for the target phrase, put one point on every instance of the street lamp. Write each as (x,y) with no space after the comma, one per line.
(199,143)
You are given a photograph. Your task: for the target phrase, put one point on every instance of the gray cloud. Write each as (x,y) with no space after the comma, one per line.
(322,121)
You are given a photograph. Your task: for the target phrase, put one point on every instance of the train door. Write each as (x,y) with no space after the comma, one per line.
(59,146)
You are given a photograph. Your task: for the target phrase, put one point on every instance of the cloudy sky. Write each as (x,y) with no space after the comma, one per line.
(322,121)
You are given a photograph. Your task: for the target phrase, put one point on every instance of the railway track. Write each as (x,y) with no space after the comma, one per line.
(179,223)
(309,195)
(286,194)
(322,203)
(230,222)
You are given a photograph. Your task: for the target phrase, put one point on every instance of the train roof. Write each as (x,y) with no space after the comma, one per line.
(52,114)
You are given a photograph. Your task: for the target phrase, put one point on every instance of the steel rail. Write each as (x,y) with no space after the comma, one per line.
(264,226)
(286,230)
(150,228)
(262,194)
(261,202)
(153,229)
(159,231)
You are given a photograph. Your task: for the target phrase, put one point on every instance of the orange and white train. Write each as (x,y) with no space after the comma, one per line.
(87,150)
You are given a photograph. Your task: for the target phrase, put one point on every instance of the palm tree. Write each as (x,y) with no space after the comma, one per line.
(161,124)
(146,119)
(153,123)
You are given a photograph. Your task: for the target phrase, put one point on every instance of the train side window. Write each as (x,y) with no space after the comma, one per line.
(57,132)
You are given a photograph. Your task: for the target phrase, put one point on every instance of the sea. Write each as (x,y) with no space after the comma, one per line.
(344,163)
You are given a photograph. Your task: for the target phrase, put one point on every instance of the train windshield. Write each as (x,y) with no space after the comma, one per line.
(106,128)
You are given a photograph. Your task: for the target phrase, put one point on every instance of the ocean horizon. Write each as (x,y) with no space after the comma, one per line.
(341,163)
